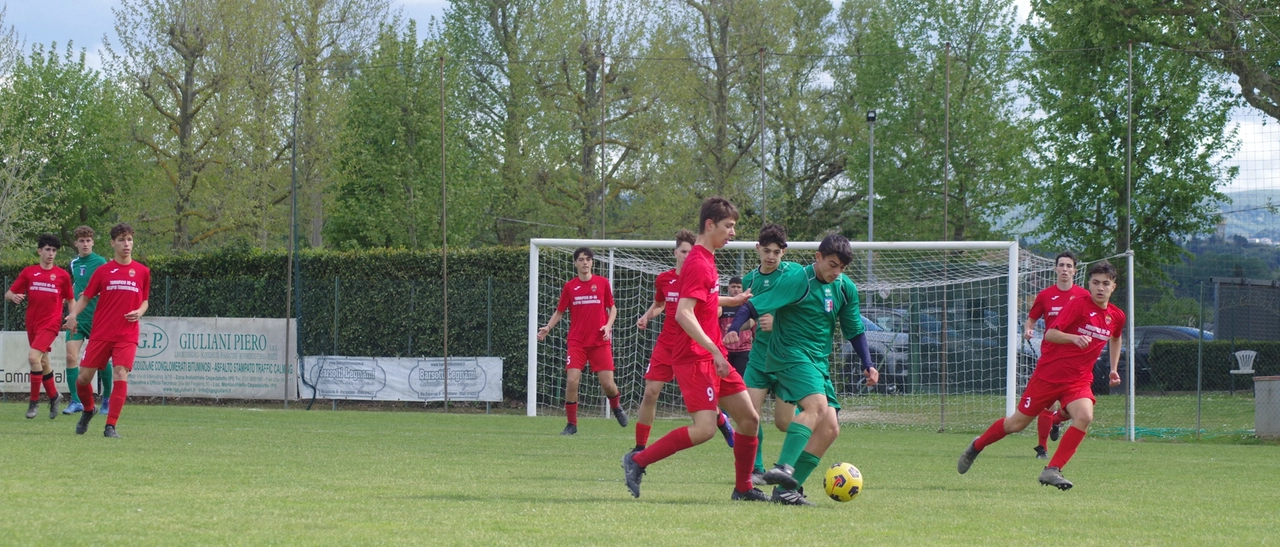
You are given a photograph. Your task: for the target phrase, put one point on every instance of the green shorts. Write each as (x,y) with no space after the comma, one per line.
(802,380)
(756,378)
(82,330)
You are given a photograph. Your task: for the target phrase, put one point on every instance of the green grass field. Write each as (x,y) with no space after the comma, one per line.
(215,475)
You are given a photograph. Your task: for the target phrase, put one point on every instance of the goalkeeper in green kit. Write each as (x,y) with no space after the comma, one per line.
(82,268)
(806,304)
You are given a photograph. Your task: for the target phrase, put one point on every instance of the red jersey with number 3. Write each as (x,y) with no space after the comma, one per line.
(1068,363)
(588,303)
(45,290)
(1051,301)
(120,289)
(666,289)
(700,281)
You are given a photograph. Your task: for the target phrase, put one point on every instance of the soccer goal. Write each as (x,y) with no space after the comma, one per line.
(944,322)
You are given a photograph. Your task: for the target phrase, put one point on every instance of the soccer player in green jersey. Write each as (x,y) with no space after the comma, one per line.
(806,304)
(771,245)
(82,268)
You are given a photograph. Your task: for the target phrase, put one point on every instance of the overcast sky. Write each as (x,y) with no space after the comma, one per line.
(85,22)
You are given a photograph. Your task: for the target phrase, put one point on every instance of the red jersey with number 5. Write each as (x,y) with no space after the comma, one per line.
(588,303)
(1068,363)
(120,289)
(45,290)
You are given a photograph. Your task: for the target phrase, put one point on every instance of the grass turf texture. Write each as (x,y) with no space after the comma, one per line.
(206,475)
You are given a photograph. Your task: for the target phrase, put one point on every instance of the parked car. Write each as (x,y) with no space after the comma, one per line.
(1143,338)
(890,351)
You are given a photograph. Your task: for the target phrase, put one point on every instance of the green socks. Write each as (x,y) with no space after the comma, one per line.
(104,385)
(797,437)
(72,374)
(805,465)
(760,448)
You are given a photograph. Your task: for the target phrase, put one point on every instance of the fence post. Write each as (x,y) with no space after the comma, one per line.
(413,291)
(5,326)
(166,295)
(488,323)
(335,316)
(1200,360)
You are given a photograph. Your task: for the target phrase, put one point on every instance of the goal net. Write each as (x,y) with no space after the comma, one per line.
(943,319)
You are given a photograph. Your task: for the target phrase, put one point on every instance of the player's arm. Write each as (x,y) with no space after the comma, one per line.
(14,297)
(607,330)
(1037,311)
(76,307)
(1058,337)
(731,301)
(1028,329)
(655,309)
(18,292)
(689,322)
(853,329)
(137,314)
(1113,353)
(551,323)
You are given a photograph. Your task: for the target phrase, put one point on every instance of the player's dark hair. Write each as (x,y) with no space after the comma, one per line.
(735,280)
(685,236)
(1066,254)
(48,240)
(715,209)
(82,232)
(772,233)
(1103,267)
(583,251)
(838,246)
(121,229)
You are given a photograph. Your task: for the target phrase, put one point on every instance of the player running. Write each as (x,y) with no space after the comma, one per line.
(699,364)
(589,300)
(1064,373)
(82,268)
(1048,303)
(124,286)
(44,286)
(771,245)
(665,297)
(807,303)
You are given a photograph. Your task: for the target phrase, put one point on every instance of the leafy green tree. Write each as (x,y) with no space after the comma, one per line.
(1079,80)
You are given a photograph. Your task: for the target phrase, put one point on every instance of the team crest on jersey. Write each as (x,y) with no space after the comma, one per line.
(1108,319)
(133,273)
(53,277)
(81,270)
(829,304)
(593,287)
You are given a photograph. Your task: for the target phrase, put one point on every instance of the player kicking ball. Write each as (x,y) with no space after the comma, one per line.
(666,296)
(1048,304)
(807,304)
(589,300)
(1064,373)
(700,365)
(44,286)
(122,287)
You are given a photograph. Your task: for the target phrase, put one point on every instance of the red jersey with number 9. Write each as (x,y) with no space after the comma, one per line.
(120,289)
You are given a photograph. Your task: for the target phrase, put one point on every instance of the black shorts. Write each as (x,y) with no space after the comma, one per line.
(739,361)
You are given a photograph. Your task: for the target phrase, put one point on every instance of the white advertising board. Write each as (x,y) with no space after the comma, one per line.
(401,378)
(14,369)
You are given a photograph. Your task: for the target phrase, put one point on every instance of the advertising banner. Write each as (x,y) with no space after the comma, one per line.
(14,369)
(214,357)
(401,378)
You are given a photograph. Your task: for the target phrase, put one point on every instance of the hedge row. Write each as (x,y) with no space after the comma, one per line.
(377,302)
(1173,363)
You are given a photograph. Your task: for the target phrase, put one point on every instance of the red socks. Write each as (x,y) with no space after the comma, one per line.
(571,412)
(720,420)
(36,379)
(744,460)
(993,434)
(613,401)
(85,391)
(1067,448)
(642,434)
(119,390)
(50,388)
(1043,422)
(1058,417)
(675,441)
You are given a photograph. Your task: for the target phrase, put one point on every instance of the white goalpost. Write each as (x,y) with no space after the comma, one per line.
(944,322)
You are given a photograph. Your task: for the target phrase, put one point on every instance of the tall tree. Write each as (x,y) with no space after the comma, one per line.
(1180,142)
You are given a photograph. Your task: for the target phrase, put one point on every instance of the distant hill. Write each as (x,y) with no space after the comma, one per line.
(1252,218)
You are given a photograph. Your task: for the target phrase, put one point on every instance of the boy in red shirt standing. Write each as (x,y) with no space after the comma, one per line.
(1064,373)
(123,287)
(45,287)
(589,300)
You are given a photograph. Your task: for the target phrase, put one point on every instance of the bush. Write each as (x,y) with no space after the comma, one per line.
(1173,363)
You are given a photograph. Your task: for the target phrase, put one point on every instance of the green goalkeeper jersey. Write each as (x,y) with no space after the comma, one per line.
(82,268)
(805,312)
(760,283)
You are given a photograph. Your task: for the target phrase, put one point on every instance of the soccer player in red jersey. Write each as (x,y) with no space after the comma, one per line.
(700,365)
(1064,373)
(666,295)
(589,300)
(123,287)
(1047,305)
(45,287)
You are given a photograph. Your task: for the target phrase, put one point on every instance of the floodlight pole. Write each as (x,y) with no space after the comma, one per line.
(871,191)
(444,238)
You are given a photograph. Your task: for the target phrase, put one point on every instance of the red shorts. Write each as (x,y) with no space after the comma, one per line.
(702,388)
(121,354)
(1040,395)
(599,357)
(42,340)
(660,365)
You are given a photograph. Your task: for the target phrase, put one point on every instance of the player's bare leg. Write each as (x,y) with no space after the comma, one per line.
(783,413)
(1081,416)
(572,378)
(647,413)
(73,373)
(1012,424)
(610,390)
